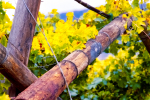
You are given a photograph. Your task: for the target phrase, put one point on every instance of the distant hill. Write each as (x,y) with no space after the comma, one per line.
(77,14)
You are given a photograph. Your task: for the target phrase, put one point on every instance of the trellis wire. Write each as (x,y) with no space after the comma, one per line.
(50,48)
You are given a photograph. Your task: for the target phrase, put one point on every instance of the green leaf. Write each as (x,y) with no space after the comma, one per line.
(148,28)
(74,92)
(125,38)
(107,75)
(111,17)
(140,21)
(36,72)
(82,97)
(95,83)
(121,83)
(38,59)
(145,54)
(97,80)
(131,52)
(124,97)
(135,3)
(98,19)
(104,82)
(140,29)
(49,59)
(114,47)
(136,86)
(4,40)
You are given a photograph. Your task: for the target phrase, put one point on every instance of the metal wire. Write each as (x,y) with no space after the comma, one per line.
(50,48)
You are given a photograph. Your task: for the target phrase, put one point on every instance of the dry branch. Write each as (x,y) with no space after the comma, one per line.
(93,9)
(23,28)
(21,35)
(13,69)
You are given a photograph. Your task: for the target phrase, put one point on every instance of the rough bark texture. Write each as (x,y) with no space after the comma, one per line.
(145,40)
(21,35)
(144,37)
(22,31)
(52,84)
(16,72)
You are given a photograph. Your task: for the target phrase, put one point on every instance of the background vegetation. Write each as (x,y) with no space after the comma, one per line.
(123,75)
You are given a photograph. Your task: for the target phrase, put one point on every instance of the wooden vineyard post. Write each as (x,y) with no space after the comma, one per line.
(22,32)
(19,45)
(51,84)
(23,28)
(13,69)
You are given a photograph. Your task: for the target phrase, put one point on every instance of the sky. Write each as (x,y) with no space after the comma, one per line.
(62,5)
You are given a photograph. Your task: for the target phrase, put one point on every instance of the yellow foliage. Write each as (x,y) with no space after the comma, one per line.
(59,38)
(35,43)
(148,6)
(7,5)
(54,11)
(124,16)
(70,14)
(123,53)
(4,97)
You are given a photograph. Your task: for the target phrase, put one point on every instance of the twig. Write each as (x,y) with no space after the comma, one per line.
(93,9)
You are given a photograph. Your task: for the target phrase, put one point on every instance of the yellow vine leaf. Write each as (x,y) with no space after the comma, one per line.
(7,5)
(4,97)
(141,21)
(148,6)
(70,17)
(125,25)
(70,14)
(140,29)
(6,18)
(35,43)
(124,16)
(54,11)
(123,53)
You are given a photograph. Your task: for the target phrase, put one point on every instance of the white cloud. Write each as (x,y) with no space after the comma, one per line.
(61,5)
(67,5)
